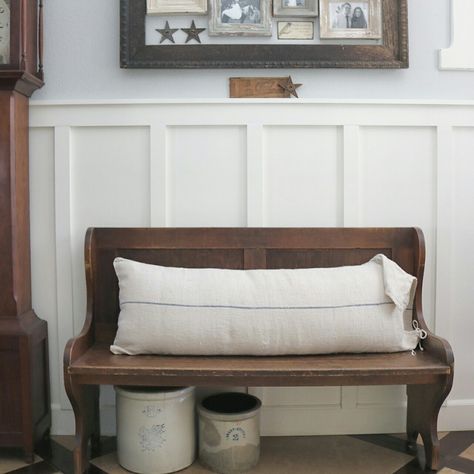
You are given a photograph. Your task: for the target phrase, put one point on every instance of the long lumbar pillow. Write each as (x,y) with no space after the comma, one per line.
(208,311)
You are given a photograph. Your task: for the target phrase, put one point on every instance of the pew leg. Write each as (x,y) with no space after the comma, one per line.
(95,434)
(424,403)
(85,403)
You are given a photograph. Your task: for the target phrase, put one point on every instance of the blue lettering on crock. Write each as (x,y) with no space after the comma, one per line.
(151,411)
(235,434)
(152,438)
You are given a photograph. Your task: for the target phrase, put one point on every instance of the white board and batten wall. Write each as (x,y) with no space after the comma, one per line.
(260,163)
(103,161)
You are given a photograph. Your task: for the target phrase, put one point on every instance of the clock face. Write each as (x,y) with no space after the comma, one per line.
(4,31)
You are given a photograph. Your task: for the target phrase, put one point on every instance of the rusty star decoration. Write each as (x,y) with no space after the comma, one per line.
(289,87)
(167,32)
(193,32)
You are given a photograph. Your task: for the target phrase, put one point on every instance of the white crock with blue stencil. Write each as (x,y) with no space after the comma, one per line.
(155,428)
(229,432)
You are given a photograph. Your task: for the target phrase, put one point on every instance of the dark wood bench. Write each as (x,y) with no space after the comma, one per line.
(88,361)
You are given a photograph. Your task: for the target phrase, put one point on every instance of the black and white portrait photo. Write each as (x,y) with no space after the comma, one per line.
(345,15)
(240,18)
(293,3)
(354,19)
(240,11)
(295,8)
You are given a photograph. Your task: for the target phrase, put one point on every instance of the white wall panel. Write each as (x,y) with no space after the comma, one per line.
(43,245)
(281,163)
(398,187)
(294,396)
(302,186)
(109,187)
(207,176)
(388,395)
(462,301)
(302,171)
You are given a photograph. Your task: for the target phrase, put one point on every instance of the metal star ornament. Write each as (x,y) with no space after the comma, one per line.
(167,32)
(289,87)
(193,32)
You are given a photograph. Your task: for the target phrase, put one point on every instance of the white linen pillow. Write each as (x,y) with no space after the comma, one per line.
(208,311)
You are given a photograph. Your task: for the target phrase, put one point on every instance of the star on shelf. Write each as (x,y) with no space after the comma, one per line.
(289,87)
(193,32)
(167,32)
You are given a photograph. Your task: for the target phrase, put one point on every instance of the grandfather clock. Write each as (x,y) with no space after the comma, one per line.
(25,414)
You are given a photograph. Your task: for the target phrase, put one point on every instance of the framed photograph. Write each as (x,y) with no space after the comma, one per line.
(176,7)
(240,18)
(360,19)
(295,30)
(391,52)
(295,8)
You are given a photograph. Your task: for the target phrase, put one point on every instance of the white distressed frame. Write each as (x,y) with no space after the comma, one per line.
(176,7)
(5,12)
(218,28)
(310,9)
(374,22)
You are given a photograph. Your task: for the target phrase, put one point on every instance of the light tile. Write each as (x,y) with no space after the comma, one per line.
(446,470)
(64,440)
(12,459)
(328,454)
(306,455)
(109,463)
(468,453)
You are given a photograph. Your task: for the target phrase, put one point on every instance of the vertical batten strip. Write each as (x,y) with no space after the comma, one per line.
(444,229)
(255,214)
(350,216)
(64,282)
(255,178)
(351,157)
(158,178)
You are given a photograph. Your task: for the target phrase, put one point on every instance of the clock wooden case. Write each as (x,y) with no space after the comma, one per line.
(24,394)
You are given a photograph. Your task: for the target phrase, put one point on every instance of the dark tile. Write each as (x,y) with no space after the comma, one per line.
(386,441)
(454,443)
(413,467)
(93,469)
(57,455)
(398,444)
(108,444)
(457,463)
(42,467)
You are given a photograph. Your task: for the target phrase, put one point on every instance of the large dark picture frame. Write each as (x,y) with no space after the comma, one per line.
(391,54)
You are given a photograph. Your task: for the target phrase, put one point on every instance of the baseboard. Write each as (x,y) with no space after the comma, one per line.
(457,415)
(63,421)
(308,420)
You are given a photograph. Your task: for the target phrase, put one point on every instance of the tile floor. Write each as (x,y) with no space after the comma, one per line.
(358,454)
